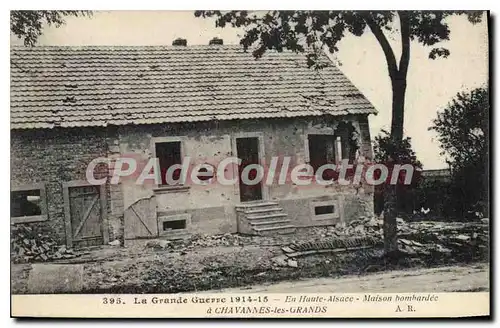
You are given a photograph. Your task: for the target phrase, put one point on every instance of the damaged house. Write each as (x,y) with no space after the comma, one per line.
(71,105)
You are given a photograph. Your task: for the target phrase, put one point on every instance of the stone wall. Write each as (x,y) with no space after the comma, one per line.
(56,156)
(53,157)
(212,206)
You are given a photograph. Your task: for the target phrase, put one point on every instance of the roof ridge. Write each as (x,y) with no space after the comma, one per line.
(163,47)
(124,46)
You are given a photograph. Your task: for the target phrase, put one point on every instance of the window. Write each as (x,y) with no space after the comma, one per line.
(28,204)
(321,152)
(321,210)
(174,225)
(325,209)
(168,154)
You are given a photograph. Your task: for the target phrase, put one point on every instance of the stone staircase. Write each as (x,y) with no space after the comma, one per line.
(263,218)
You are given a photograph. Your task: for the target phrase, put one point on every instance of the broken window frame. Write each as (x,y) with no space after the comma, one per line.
(159,140)
(322,135)
(331,159)
(346,148)
(43,204)
(341,144)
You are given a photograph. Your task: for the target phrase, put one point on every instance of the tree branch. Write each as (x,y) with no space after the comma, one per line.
(386,47)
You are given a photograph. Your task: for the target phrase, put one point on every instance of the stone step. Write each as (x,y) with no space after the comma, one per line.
(268,219)
(264,210)
(270,224)
(265,216)
(251,205)
(281,230)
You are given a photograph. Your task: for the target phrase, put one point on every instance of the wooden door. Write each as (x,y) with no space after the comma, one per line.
(140,219)
(85,213)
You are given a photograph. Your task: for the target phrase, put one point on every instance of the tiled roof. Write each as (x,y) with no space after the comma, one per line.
(100,86)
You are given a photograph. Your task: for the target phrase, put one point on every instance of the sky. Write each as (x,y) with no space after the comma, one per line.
(430,87)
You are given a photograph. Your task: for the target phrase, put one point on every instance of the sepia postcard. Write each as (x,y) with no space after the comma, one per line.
(249,164)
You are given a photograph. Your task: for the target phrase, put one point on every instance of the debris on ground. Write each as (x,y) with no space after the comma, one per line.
(421,238)
(211,262)
(334,245)
(227,239)
(29,245)
(280,260)
(429,238)
(114,243)
(157,244)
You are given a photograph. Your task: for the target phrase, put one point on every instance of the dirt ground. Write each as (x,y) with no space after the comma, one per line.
(216,262)
(470,278)
(136,268)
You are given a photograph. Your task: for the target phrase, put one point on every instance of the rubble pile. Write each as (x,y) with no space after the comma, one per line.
(428,237)
(226,239)
(334,243)
(415,238)
(29,245)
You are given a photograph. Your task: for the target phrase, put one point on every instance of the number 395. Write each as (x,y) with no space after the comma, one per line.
(111,300)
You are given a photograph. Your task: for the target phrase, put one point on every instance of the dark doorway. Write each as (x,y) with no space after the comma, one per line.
(248,152)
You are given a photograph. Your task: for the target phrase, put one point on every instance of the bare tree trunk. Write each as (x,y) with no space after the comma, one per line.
(398,81)
(398,108)
(397,74)
(390,223)
(391,191)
